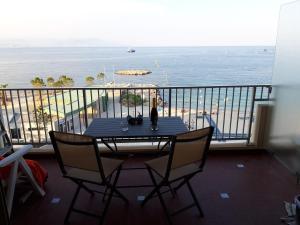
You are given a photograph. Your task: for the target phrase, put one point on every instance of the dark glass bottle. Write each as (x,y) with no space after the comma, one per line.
(154,115)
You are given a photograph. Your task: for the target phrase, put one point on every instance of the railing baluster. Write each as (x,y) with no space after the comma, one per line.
(232,102)
(142,96)
(156,94)
(43,116)
(29,120)
(21,114)
(149,96)
(121,107)
(203,112)
(217,121)
(56,106)
(106,102)
(49,108)
(224,115)
(127,102)
(269,92)
(14,116)
(245,112)
(176,108)
(113,96)
(134,91)
(72,116)
(37,124)
(99,100)
(211,102)
(182,110)
(190,105)
(92,106)
(64,109)
(170,102)
(85,108)
(251,114)
(163,102)
(79,114)
(6,112)
(238,113)
(197,102)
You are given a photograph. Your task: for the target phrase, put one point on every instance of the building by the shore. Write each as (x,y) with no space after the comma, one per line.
(68,108)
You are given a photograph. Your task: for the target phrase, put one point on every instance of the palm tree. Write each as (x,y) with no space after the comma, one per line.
(66,81)
(3,86)
(58,83)
(89,80)
(37,82)
(100,76)
(50,81)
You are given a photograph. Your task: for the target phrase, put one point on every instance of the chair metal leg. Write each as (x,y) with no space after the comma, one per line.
(183,182)
(120,194)
(114,187)
(195,198)
(112,190)
(150,195)
(84,187)
(157,188)
(105,190)
(179,185)
(173,192)
(72,204)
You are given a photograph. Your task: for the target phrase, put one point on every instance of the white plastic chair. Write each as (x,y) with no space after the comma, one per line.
(16,159)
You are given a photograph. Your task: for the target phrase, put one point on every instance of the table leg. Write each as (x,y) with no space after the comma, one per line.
(165,145)
(109,147)
(114,141)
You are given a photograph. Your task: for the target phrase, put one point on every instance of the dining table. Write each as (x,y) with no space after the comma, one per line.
(111,130)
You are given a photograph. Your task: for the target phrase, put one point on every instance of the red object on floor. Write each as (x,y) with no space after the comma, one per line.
(39,173)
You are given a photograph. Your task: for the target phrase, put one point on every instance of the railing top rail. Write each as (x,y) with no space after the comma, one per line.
(131,88)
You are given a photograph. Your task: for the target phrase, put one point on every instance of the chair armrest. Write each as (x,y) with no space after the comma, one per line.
(15,156)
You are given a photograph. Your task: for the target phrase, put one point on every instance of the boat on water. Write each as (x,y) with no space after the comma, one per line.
(131,50)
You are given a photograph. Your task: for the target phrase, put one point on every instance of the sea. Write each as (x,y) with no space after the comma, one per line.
(170,66)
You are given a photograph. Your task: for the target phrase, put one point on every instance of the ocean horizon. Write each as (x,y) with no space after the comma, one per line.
(170,66)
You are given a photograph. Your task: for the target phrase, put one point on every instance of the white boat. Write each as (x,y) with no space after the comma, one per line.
(131,50)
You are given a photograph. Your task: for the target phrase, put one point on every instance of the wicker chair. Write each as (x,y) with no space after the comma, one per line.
(79,159)
(187,158)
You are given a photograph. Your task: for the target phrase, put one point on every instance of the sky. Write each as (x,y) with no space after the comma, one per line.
(139,22)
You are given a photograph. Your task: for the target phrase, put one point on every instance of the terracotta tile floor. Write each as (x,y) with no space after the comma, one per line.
(256,194)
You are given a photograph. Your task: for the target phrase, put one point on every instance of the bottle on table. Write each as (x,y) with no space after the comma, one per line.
(154,115)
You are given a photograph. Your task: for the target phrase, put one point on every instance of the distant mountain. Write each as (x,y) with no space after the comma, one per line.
(24,43)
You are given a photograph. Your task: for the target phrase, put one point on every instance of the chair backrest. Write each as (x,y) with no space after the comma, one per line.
(190,147)
(76,151)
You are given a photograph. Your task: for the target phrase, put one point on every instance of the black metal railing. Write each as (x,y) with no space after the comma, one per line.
(29,113)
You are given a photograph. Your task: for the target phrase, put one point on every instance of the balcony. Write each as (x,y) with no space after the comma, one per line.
(30,113)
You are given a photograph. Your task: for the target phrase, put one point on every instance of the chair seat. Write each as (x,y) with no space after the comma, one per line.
(159,165)
(109,166)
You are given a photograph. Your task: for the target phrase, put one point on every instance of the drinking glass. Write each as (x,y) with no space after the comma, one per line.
(124,126)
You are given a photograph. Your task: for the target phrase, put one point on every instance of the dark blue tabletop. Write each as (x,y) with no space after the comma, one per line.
(111,128)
